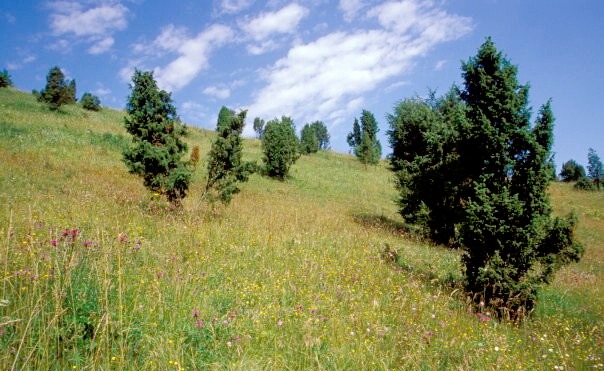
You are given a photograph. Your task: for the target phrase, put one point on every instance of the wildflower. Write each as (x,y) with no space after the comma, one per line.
(195,313)
(280,323)
(53,243)
(122,237)
(229,344)
(88,243)
(497,349)
(200,323)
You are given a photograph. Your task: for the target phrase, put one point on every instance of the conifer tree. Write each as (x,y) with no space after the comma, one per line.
(512,243)
(572,171)
(225,167)
(472,169)
(57,91)
(90,102)
(157,148)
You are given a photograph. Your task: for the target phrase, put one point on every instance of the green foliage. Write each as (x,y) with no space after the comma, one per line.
(259,127)
(367,147)
(512,243)
(354,137)
(5,79)
(280,146)
(71,92)
(595,170)
(470,168)
(157,149)
(585,184)
(309,143)
(321,133)
(571,171)
(90,102)
(225,168)
(58,91)
(423,135)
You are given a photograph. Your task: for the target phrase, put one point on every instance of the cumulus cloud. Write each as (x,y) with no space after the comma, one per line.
(327,78)
(220,92)
(266,27)
(193,57)
(94,25)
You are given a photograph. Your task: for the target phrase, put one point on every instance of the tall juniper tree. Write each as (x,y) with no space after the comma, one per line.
(512,243)
(157,149)
(474,158)
(225,166)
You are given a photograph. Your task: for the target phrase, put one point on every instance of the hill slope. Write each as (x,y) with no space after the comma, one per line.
(99,274)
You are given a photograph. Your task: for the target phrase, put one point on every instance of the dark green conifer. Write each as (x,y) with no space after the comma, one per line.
(157,148)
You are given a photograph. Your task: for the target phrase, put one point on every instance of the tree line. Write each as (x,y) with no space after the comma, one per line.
(157,149)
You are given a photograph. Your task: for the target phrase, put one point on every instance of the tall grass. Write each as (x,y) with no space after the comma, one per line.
(99,274)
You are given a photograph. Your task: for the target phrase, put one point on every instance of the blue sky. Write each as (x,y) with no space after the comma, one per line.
(313,59)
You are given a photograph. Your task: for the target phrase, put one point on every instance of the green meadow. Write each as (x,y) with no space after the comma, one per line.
(316,272)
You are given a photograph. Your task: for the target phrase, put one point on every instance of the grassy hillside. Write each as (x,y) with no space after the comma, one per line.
(100,274)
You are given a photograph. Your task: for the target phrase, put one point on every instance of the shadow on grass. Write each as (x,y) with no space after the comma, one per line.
(382,222)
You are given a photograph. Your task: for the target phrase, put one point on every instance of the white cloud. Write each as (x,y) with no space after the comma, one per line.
(95,25)
(326,79)
(171,38)
(194,55)
(69,17)
(234,6)
(217,92)
(101,46)
(27,59)
(351,8)
(440,64)
(102,91)
(265,27)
